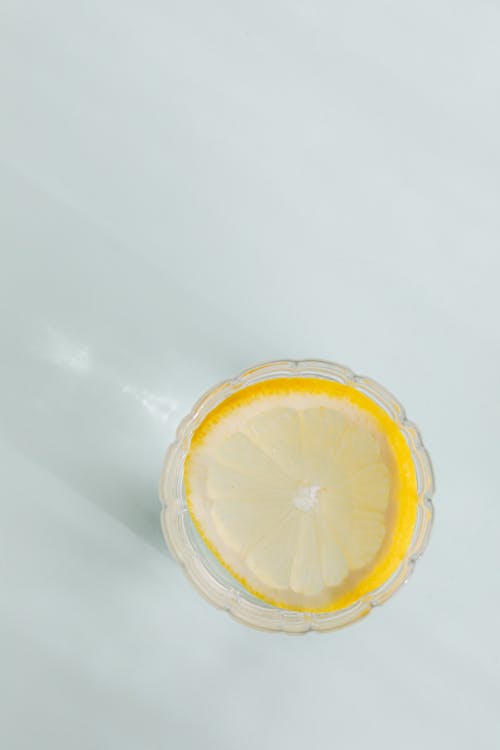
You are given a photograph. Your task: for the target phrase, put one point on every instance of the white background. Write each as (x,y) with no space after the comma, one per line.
(187,188)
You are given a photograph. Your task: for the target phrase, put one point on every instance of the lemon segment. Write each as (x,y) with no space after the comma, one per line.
(304,489)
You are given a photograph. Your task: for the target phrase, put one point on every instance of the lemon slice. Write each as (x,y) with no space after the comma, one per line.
(304,489)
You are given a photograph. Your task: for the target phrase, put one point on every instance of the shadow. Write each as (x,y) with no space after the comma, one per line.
(102,355)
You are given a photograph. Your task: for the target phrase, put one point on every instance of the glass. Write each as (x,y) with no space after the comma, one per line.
(209,576)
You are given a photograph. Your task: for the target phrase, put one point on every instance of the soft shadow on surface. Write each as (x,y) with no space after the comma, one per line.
(102,355)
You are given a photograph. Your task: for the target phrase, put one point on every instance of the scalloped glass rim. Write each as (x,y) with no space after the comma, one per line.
(206,573)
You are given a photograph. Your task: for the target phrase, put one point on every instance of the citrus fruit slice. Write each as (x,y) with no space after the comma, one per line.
(304,489)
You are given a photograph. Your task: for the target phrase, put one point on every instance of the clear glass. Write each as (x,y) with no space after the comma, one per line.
(206,573)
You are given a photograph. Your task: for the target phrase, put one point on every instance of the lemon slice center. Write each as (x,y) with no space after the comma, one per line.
(306,497)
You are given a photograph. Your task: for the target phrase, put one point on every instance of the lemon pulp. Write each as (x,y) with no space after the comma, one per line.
(304,489)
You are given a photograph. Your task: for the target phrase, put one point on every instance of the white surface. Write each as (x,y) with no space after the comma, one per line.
(187,188)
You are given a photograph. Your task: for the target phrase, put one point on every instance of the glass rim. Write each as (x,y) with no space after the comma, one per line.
(207,574)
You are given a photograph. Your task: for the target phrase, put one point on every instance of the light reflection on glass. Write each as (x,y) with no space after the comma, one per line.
(162,408)
(64,352)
